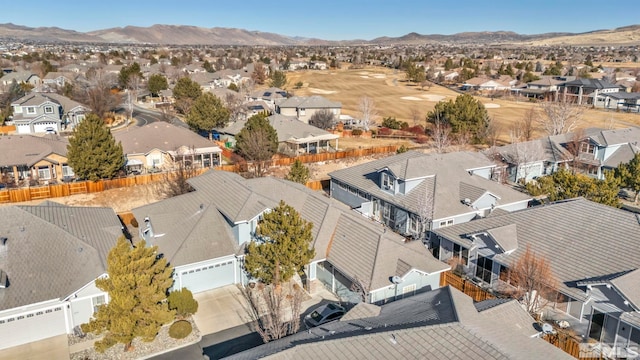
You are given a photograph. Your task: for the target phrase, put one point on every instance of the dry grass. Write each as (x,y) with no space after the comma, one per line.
(388,91)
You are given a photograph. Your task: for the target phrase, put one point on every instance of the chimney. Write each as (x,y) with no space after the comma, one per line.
(146,231)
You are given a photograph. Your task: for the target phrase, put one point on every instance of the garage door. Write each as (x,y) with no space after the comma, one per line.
(208,277)
(23,129)
(29,327)
(42,127)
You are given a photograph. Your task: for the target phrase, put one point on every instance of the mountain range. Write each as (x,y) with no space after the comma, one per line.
(193,35)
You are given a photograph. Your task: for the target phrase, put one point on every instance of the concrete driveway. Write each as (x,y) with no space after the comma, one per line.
(56,347)
(220,309)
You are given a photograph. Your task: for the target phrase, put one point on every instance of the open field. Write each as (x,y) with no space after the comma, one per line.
(394,97)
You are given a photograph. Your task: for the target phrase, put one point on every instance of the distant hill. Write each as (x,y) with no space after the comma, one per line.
(193,35)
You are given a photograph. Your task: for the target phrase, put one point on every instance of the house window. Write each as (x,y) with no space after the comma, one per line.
(414,224)
(44,172)
(97,301)
(461,253)
(31,110)
(445,223)
(483,270)
(302,111)
(386,211)
(48,109)
(387,182)
(586,147)
(67,170)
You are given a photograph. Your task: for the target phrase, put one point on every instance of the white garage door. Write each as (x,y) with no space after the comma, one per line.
(208,277)
(23,129)
(31,327)
(42,127)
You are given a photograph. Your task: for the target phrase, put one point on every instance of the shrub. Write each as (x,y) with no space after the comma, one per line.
(385,131)
(182,302)
(180,329)
(374,132)
(404,125)
(134,222)
(422,139)
(418,130)
(391,123)
(402,149)
(356,132)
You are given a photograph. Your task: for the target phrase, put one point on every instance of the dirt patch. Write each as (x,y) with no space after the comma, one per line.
(411,98)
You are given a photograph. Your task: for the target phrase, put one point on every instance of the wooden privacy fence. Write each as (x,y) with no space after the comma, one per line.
(83,187)
(571,346)
(474,291)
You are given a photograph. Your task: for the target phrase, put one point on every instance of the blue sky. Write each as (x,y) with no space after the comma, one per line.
(330,19)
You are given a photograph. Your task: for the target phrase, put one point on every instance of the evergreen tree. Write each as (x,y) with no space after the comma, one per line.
(465,115)
(185,93)
(563,184)
(448,64)
(157,83)
(137,283)
(93,152)
(298,173)
(278,79)
(206,113)
(257,141)
(284,248)
(208,67)
(127,73)
(629,175)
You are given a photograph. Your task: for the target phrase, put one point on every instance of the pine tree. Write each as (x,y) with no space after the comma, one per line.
(157,83)
(93,152)
(207,113)
(298,173)
(629,175)
(278,79)
(284,248)
(185,93)
(137,283)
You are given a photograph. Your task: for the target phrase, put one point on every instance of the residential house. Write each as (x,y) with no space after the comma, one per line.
(46,112)
(159,146)
(297,64)
(349,248)
(57,79)
(600,150)
(27,159)
(413,192)
(318,65)
(50,256)
(592,250)
(627,101)
(438,324)
(585,91)
(269,95)
(482,83)
(19,77)
(224,78)
(545,88)
(527,160)
(303,108)
(294,137)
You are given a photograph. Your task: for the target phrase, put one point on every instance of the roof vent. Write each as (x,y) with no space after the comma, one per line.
(3,241)
(4,280)
(466,201)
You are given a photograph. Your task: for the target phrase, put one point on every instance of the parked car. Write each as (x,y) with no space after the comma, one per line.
(49,130)
(324,314)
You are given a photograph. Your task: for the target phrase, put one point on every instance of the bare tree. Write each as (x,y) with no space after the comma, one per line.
(96,92)
(573,147)
(534,281)
(416,115)
(525,127)
(440,135)
(425,212)
(237,109)
(323,119)
(361,288)
(368,112)
(274,311)
(521,154)
(560,117)
(175,182)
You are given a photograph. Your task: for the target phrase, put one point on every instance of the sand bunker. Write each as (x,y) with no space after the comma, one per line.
(429,97)
(379,76)
(491,106)
(364,76)
(412,98)
(321,91)
(363,73)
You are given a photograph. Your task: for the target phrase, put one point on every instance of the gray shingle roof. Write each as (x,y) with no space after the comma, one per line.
(288,129)
(355,245)
(621,136)
(162,136)
(573,235)
(29,149)
(438,324)
(629,285)
(45,260)
(623,154)
(443,172)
